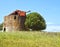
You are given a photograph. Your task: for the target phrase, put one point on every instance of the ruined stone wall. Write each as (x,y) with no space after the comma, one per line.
(13,23)
(22,22)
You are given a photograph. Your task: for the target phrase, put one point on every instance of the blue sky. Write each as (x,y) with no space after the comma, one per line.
(49,9)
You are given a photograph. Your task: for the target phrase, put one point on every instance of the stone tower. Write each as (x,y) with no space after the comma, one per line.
(14,21)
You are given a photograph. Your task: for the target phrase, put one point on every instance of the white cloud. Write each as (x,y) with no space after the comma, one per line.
(52,27)
(48,23)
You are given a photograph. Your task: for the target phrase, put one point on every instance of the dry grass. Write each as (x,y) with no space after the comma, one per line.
(29,39)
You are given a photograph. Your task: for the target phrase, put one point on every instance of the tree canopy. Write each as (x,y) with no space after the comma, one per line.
(35,21)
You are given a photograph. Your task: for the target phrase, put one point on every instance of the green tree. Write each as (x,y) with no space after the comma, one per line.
(1,26)
(35,21)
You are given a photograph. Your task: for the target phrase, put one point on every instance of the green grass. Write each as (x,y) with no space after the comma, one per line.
(29,39)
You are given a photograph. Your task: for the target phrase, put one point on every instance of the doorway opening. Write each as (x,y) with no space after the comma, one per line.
(4,29)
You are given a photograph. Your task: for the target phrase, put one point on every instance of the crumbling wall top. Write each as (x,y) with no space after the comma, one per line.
(18,12)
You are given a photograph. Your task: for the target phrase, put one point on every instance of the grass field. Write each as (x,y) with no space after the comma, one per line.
(29,39)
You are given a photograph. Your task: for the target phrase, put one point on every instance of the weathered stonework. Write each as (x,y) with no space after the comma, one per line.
(14,22)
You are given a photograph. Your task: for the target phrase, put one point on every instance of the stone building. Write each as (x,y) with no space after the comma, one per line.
(14,21)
